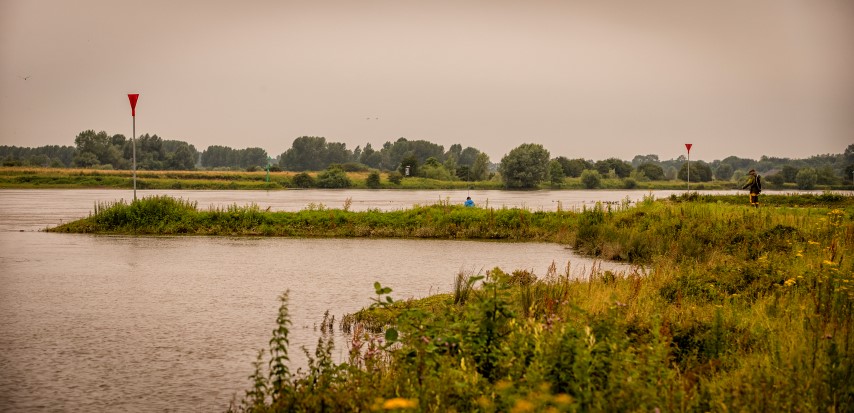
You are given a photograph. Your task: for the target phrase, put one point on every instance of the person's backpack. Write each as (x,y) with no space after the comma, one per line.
(757,184)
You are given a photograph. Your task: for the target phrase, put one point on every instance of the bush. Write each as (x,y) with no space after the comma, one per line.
(806,178)
(591,179)
(395,177)
(373,180)
(333,177)
(303,180)
(630,183)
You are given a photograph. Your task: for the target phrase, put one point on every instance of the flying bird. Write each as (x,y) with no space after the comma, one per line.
(25,77)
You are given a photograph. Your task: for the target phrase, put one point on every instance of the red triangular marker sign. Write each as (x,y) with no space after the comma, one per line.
(133,97)
(688,146)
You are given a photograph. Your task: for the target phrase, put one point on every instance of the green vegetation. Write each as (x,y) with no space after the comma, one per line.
(730,309)
(527,166)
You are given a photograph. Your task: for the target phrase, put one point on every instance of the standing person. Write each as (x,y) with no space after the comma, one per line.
(754,184)
(469,202)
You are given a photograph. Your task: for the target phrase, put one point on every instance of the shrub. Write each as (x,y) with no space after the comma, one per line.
(373,180)
(591,179)
(303,180)
(333,177)
(395,177)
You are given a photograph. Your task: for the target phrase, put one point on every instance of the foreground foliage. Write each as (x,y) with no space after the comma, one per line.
(732,309)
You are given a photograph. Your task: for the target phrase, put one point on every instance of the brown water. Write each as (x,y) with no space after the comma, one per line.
(123,323)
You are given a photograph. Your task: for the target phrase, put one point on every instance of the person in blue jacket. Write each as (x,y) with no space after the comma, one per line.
(469,202)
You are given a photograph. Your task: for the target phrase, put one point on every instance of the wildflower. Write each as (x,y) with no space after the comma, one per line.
(400,403)
(522,406)
(812,243)
(829,263)
(799,254)
(790,282)
(563,398)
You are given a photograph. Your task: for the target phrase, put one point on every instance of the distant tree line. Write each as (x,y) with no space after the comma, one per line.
(526,166)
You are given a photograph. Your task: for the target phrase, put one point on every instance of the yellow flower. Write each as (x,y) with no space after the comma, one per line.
(563,398)
(812,243)
(830,263)
(400,403)
(790,282)
(522,406)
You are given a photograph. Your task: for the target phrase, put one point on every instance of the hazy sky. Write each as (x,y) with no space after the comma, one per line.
(590,79)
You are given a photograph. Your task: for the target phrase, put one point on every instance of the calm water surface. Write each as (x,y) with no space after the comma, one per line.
(122,323)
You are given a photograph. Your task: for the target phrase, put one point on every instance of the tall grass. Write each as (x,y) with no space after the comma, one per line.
(729,309)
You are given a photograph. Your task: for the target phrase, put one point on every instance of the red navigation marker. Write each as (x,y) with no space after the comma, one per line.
(687,146)
(133,97)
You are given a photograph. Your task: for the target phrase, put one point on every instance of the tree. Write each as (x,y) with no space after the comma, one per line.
(652,171)
(181,159)
(591,179)
(371,157)
(480,167)
(409,166)
(576,166)
(700,172)
(776,180)
(806,179)
(621,168)
(639,160)
(555,171)
(825,175)
(525,166)
(307,153)
(85,160)
(790,173)
(724,172)
(468,156)
(98,144)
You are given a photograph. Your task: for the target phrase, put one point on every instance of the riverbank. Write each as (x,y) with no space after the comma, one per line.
(732,308)
(29,178)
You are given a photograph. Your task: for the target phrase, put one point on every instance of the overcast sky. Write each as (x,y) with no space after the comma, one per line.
(589,79)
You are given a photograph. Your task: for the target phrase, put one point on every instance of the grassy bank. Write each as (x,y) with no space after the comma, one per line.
(29,178)
(731,309)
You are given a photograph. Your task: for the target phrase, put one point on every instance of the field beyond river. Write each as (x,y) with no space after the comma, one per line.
(727,308)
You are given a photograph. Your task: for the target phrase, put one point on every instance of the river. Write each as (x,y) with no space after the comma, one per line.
(145,323)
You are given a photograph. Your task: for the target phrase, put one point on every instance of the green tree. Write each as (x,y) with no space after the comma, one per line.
(409,166)
(724,172)
(806,179)
(652,171)
(825,175)
(576,166)
(700,172)
(98,144)
(622,168)
(555,172)
(182,159)
(591,179)
(307,153)
(480,167)
(525,166)
(790,173)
